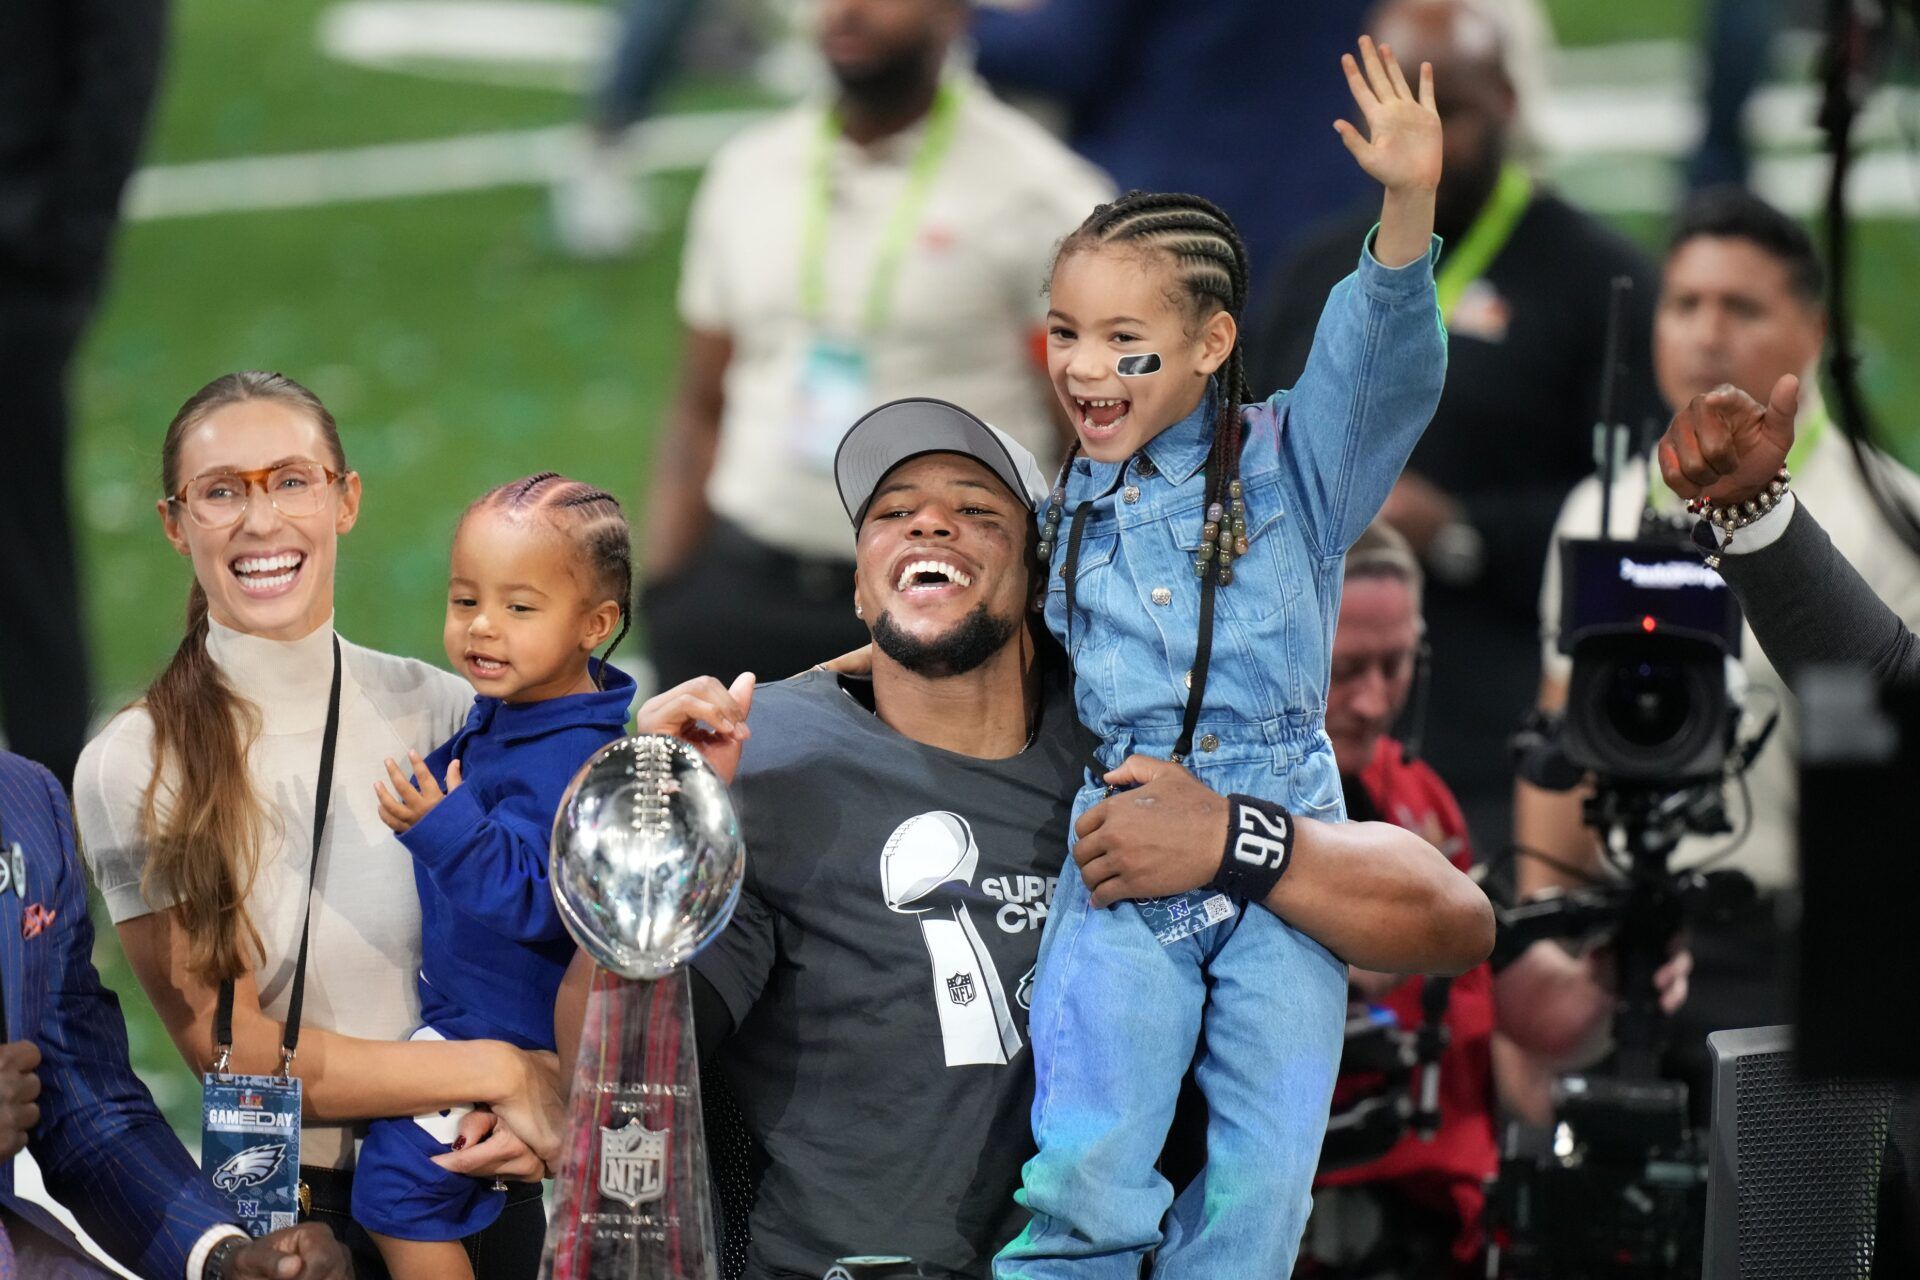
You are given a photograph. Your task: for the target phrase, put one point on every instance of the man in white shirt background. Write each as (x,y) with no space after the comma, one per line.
(891,240)
(1740,304)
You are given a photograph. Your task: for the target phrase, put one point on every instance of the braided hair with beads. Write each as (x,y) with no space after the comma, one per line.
(1210,268)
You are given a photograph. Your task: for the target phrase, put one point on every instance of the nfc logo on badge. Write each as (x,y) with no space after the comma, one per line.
(633,1163)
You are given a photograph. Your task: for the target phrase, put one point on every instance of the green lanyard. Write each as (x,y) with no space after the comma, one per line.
(1806,434)
(900,227)
(1492,228)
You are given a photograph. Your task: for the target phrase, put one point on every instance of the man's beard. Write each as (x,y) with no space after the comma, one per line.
(887,85)
(964,646)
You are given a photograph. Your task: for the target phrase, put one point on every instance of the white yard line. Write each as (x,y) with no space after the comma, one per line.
(1613,127)
(475,162)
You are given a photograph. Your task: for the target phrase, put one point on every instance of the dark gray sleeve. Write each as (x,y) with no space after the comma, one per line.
(1806,604)
(737,963)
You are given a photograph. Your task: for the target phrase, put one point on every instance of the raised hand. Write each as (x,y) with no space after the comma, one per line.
(1726,446)
(412,798)
(705,714)
(1401,147)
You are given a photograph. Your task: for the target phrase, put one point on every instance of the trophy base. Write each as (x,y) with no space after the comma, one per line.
(632,1195)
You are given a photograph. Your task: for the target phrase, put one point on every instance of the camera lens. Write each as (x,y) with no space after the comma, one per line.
(1647,703)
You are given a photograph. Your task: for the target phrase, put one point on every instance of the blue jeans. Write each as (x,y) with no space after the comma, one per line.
(650,32)
(1116,1017)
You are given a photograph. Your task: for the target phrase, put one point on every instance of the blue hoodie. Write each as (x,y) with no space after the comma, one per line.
(493,949)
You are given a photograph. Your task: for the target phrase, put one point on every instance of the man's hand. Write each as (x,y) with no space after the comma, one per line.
(409,802)
(1727,446)
(19,1089)
(1163,837)
(706,715)
(858,662)
(306,1252)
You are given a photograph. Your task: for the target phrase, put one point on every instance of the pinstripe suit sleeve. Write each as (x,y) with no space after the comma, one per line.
(102,1145)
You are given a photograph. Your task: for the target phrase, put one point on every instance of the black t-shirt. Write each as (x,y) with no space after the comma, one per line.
(878,969)
(1512,435)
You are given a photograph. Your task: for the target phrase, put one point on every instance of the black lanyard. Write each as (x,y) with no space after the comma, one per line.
(1203,652)
(322,793)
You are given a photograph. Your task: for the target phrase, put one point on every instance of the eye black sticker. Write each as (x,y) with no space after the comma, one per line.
(1138,366)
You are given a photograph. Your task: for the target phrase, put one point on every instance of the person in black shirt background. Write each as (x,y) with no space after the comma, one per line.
(1524,285)
(77,80)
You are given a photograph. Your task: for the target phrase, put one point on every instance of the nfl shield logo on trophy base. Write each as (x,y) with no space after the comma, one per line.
(646,866)
(632,1160)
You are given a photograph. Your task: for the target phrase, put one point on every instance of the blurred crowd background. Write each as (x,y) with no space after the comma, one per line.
(460,222)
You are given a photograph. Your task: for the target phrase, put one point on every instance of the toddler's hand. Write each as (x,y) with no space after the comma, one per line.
(409,801)
(1401,148)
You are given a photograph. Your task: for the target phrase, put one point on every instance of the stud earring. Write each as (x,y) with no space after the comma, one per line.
(857,612)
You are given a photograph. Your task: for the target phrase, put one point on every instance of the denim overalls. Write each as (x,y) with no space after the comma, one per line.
(1120,995)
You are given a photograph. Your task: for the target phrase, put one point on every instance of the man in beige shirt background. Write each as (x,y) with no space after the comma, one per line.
(889,241)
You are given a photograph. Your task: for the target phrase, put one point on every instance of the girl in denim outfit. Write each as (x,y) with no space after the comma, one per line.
(1187,513)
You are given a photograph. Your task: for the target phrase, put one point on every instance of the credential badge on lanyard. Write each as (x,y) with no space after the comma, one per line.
(250,1125)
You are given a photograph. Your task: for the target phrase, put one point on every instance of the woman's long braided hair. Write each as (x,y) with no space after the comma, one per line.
(1210,268)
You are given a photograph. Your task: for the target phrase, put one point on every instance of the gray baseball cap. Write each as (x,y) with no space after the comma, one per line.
(902,430)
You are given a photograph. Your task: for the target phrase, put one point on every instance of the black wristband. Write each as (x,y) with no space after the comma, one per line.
(1259,849)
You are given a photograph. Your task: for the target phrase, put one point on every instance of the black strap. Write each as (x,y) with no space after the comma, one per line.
(1069,569)
(1203,652)
(1202,656)
(322,795)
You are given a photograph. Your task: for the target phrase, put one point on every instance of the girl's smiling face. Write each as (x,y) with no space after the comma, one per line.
(267,573)
(1108,302)
(522,614)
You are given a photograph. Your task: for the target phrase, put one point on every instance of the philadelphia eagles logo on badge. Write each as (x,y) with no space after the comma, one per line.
(633,1163)
(251,1167)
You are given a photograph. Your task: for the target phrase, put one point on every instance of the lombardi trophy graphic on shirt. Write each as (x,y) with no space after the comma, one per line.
(926,870)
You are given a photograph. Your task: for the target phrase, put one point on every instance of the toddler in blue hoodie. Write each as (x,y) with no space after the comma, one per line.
(540,575)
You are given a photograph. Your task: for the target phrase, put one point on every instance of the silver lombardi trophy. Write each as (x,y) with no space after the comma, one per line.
(646,866)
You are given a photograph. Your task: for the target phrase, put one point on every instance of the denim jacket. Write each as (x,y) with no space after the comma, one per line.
(1317,463)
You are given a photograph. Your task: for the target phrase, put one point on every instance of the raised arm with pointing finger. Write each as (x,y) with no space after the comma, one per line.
(1804,601)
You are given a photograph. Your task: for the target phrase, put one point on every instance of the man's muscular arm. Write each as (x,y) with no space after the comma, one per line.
(1374,894)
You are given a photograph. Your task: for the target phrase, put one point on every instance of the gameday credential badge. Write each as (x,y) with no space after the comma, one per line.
(633,1163)
(250,1148)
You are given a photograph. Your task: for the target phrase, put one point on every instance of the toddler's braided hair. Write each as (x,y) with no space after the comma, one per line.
(1210,269)
(589,518)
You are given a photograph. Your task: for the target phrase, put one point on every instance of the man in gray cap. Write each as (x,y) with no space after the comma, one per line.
(867,1006)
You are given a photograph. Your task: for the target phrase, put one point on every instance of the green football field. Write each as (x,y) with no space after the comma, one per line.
(456,347)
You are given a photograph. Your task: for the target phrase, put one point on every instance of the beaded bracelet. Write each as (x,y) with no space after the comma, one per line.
(1739,515)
